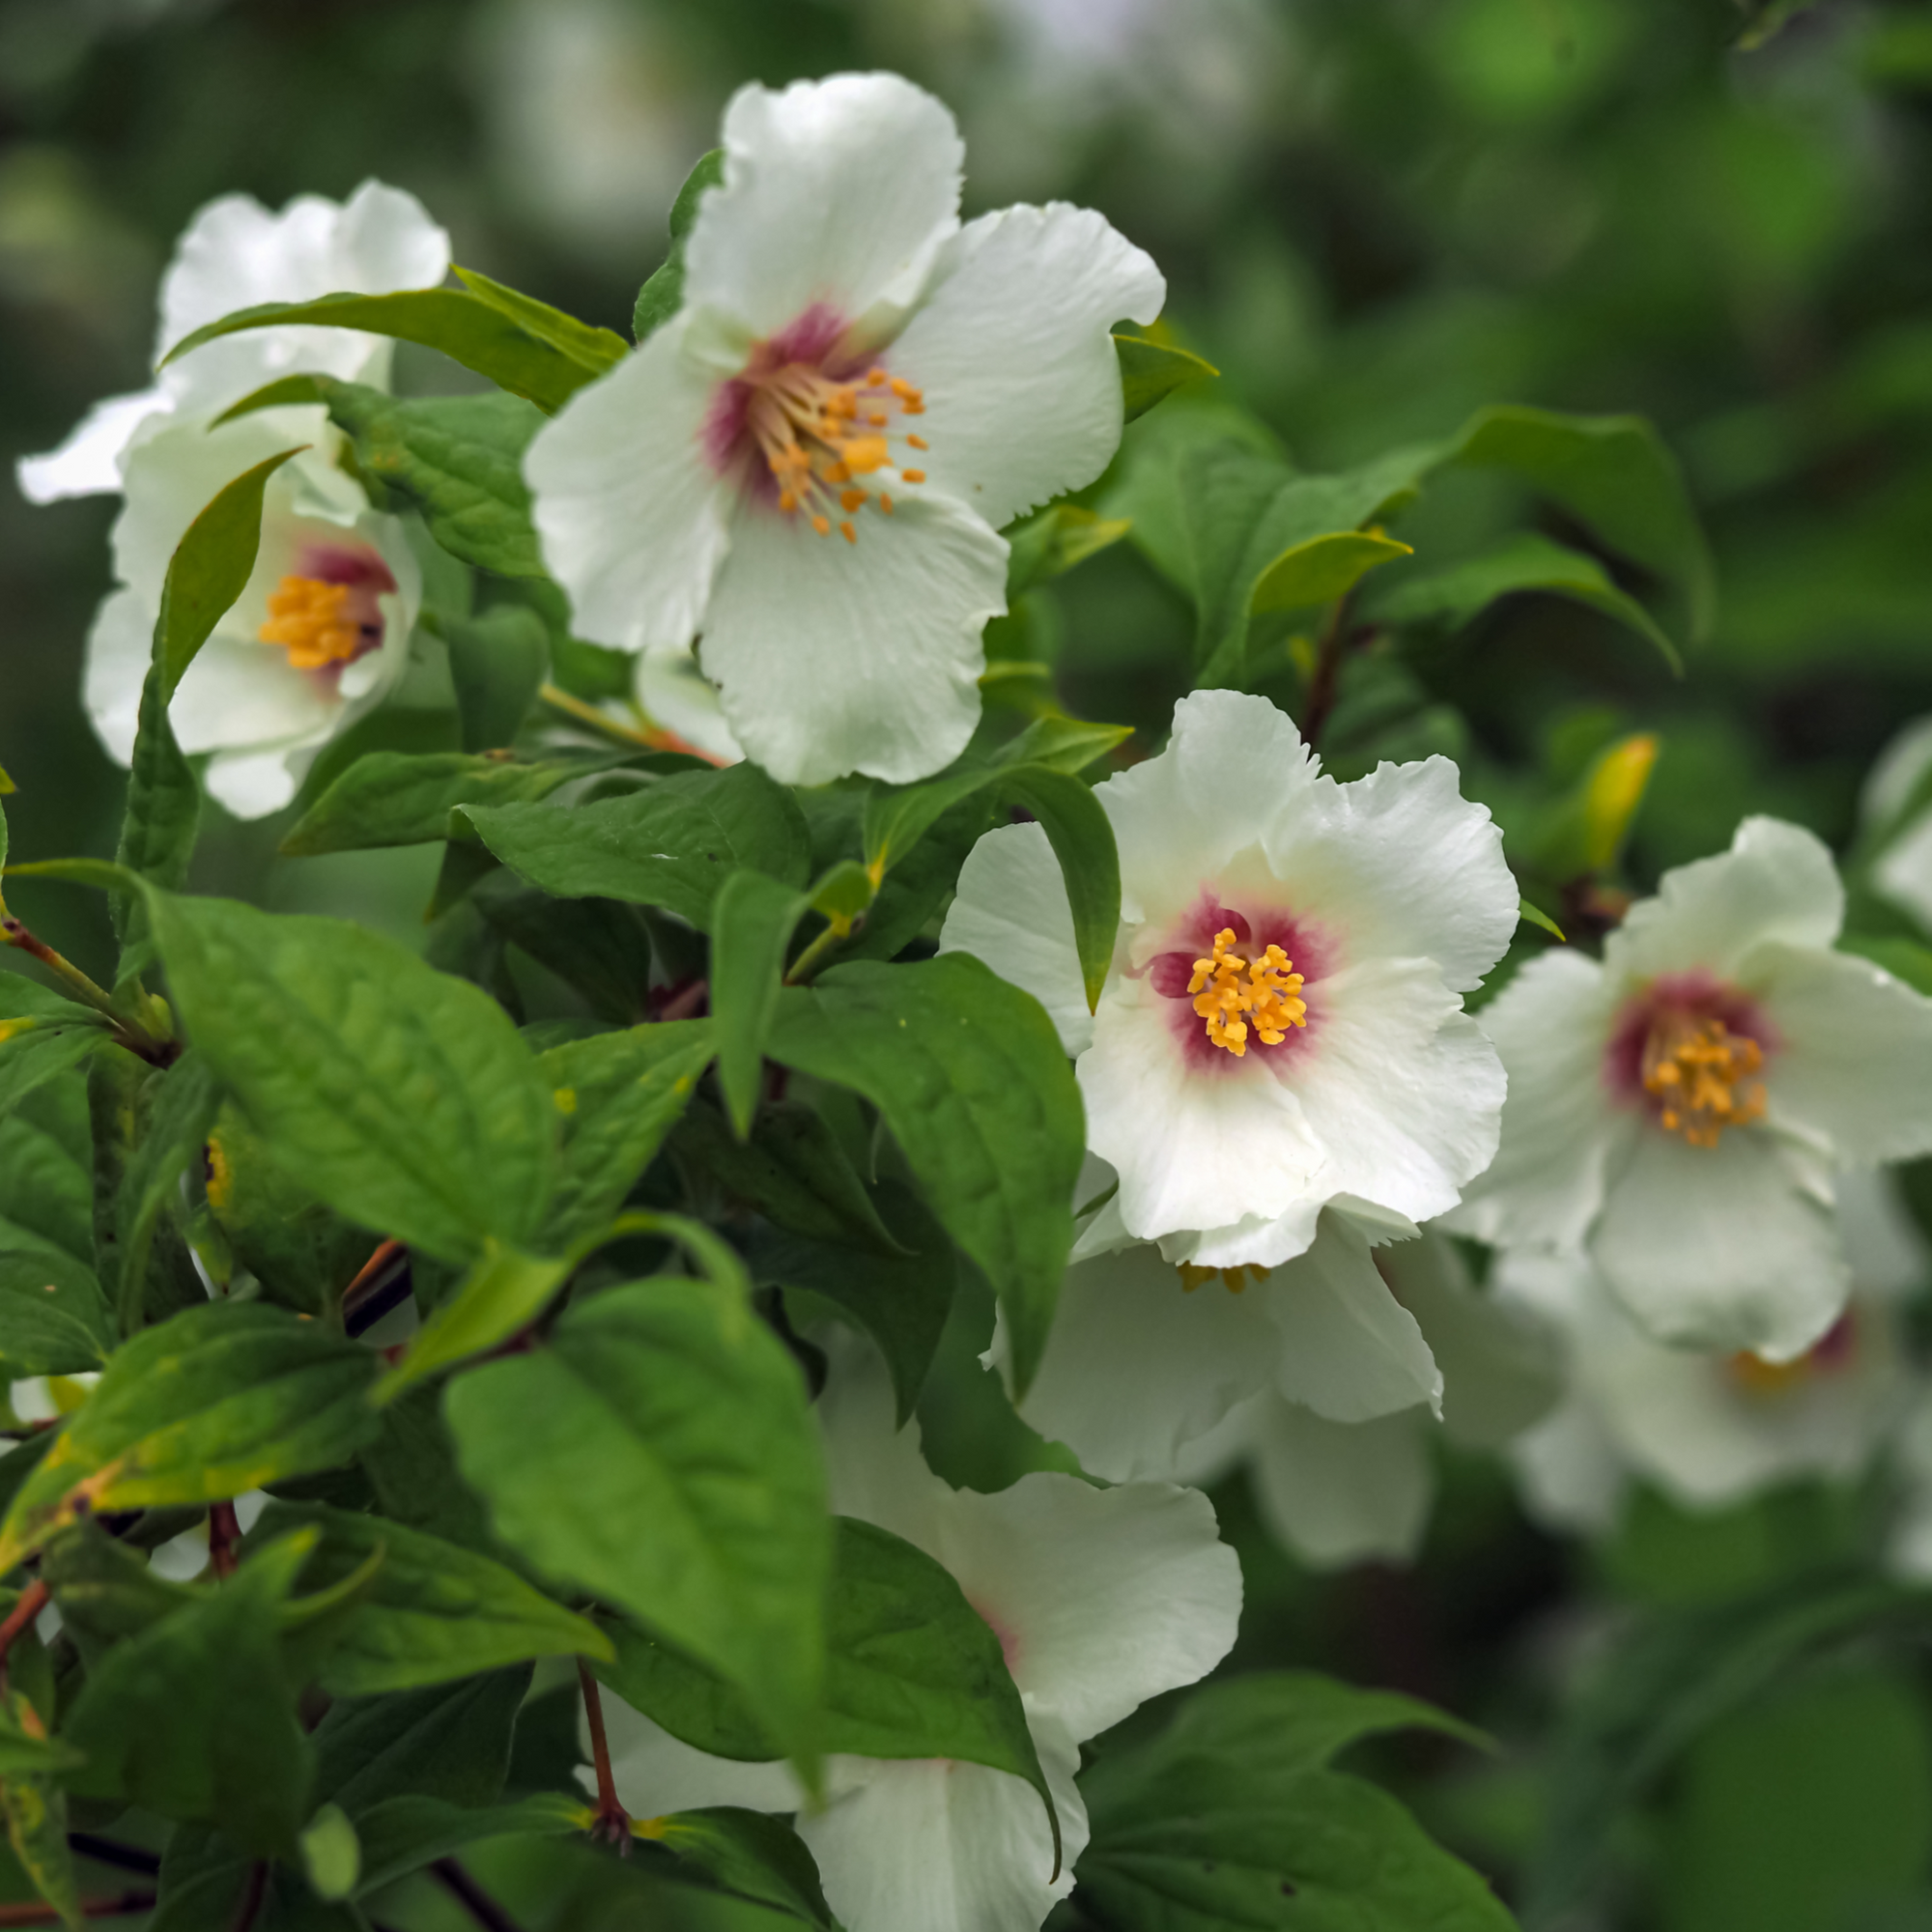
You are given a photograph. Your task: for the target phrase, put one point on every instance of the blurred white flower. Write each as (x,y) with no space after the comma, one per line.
(1101,1599)
(1677,1111)
(1282,1025)
(674,696)
(317,638)
(809,462)
(232,255)
(1898,812)
(1711,1429)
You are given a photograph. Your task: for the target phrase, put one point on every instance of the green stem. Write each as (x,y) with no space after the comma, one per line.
(807,962)
(14,933)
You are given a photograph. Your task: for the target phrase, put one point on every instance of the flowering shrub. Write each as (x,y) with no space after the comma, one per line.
(391,1334)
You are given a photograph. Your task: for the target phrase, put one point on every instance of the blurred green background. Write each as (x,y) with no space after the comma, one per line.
(1375,216)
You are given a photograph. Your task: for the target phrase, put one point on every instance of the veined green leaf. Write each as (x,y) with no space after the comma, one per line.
(401,1096)
(660,1451)
(1152,371)
(1054,542)
(54,1320)
(973,1083)
(598,349)
(177,1130)
(1063,744)
(496,660)
(35,1806)
(211,1404)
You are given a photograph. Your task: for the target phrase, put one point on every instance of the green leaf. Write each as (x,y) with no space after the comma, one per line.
(1231,1821)
(25,1749)
(912,1671)
(194,1718)
(1152,371)
(900,1300)
(752,920)
(34,1051)
(504,1291)
(449,1744)
(599,349)
(1615,474)
(401,1096)
(1322,569)
(1454,596)
(402,1834)
(332,1856)
(497,661)
(1905,959)
(184,1110)
(208,1405)
(671,843)
(746,1855)
(54,1320)
(456,322)
(1082,837)
(601,948)
(1054,542)
(1585,834)
(662,296)
(46,1192)
(1063,744)
(975,1086)
(35,1806)
(617,1096)
(1537,917)
(661,1452)
(433,1612)
(1764,19)
(106,1591)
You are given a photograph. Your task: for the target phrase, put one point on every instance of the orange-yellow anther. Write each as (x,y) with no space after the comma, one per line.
(847,531)
(311,620)
(919,442)
(822,525)
(1699,1071)
(864,454)
(913,475)
(1233,1279)
(1269,995)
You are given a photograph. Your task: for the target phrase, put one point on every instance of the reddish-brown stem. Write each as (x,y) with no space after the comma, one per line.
(686,1002)
(1322,685)
(474,1900)
(113,1905)
(160,1053)
(614,1822)
(33,1600)
(224,1532)
(249,1907)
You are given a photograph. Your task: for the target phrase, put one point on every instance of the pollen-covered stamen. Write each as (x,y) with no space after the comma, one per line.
(1233,1279)
(823,441)
(320,623)
(1699,1073)
(1833,1351)
(1268,995)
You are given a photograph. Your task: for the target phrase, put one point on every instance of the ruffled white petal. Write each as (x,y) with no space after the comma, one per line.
(1349,1350)
(1401,864)
(1776,883)
(88,463)
(1012,911)
(1192,1149)
(1727,1247)
(632,518)
(120,647)
(838,192)
(1012,351)
(832,657)
(934,1845)
(1550,1025)
(1854,1066)
(1401,1089)
(1137,1367)
(1338,1494)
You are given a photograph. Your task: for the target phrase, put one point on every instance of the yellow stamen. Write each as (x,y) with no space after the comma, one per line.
(850,499)
(1269,996)
(309,619)
(1233,1279)
(885,503)
(847,531)
(913,475)
(1699,1072)
(919,442)
(822,525)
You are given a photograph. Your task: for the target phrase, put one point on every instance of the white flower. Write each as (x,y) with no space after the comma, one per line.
(808,463)
(1677,1110)
(1711,1429)
(232,255)
(1101,1599)
(1343,1492)
(1281,1025)
(317,638)
(1902,871)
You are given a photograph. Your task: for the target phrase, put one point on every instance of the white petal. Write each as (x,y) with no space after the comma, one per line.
(1776,883)
(1193,1149)
(1400,862)
(1011,912)
(1102,1598)
(632,517)
(1401,1089)
(1350,1351)
(251,785)
(838,192)
(1137,1367)
(1910,1546)
(1903,873)
(1572,1474)
(1013,352)
(1726,1247)
(1883,1245)
(932,1845)
(88,464)
(1552,1025)
(1854,1065)
(833,657)
(385,241)
(657,1774)
(1254,1241)
(238,695)
(120,647)
(1340,1493)
(1174,818)
(675,694)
